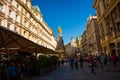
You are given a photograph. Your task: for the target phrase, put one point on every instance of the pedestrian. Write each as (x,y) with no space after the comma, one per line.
(13,72)
(58,62)
(104,61)
(76,62)
(81,61)
(96,60)
(62,62)
(25,72)
(72,63)
(91,62)
(114,59)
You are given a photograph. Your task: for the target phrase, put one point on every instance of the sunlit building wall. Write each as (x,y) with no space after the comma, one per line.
(79,44)
(24,19)
(68,50)
(84,43)
(108,13)
(73,45)
(92,32)
(90,38)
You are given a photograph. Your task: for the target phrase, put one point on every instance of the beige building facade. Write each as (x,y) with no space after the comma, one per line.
(79,44)
(108,13)
(91,37)
(73,45)
(24,19)
(84,42)
(71,48)
(68,50)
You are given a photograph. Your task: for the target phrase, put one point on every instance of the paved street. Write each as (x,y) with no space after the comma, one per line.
(65,73)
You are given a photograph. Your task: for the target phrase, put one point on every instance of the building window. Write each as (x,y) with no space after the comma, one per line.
(16,17)
(111,29)
(1,7)
(30,27)
(17,6)
(30,36)
(15,29)
(25,22)
(25,13)
(118,26)
(9,13)
(24,33)
(8,25)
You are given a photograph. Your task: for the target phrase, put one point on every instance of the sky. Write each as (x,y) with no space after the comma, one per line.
(70,15)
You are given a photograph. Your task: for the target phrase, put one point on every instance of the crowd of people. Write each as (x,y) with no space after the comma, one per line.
(12,70)
(16,68)
(92,61)
(101,61)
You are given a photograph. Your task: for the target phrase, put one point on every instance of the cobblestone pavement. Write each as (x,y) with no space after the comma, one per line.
(65,73)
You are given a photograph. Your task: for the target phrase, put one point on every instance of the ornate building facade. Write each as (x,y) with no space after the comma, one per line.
(68,49)
(79,44)
(108,13)
(84,42)
(91,37)
(71,48)
(73,45)
(24,19)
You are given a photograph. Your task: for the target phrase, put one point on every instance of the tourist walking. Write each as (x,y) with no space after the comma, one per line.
(13,72)
(76,62)
(81,61)
(72,63)
(104,61)
(62,62)
(25,72)
(91,63)
(114,59)
(58,62)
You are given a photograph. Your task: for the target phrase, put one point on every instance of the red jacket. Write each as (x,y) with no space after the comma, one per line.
(91,60)
(113,57)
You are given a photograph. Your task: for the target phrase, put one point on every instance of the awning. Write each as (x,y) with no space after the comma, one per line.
(13,42)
